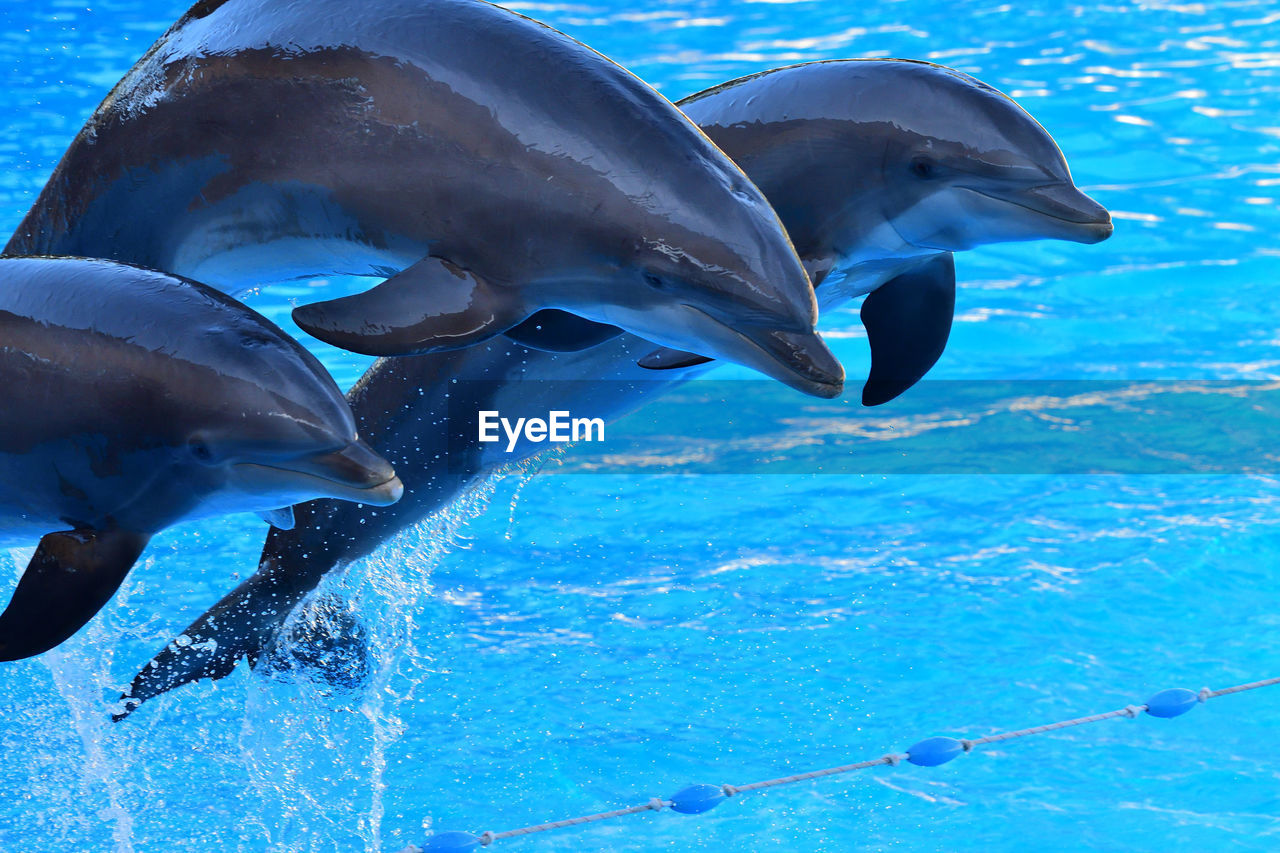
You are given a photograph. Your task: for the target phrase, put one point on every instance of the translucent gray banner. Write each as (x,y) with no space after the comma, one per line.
(942,427)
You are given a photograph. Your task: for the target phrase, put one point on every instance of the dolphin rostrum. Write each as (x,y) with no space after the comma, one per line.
(134,400)
(487,165)
(844,192)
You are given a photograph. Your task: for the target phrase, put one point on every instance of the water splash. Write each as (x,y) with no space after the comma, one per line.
(316,732)
(524,471)
(76,668)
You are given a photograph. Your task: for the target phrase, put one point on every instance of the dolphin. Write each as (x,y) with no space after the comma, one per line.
(135,400)
(420,411)
(486,165)
(881,169)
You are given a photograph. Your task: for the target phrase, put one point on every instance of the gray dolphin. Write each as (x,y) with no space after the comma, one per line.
(881,169)
(134,400)
(848,173)
(488,165)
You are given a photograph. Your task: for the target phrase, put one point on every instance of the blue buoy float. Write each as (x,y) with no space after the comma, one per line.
(1173,702)
(697,799)
(930,752)
(933,751)
(452,842)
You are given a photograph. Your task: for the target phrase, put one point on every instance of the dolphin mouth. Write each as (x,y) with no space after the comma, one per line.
(1084,219)
(352,473)
(821,377)
(799,360)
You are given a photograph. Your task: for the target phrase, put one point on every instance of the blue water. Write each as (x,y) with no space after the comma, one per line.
(564,644)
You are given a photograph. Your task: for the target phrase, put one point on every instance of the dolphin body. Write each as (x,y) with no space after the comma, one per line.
(487,165)
(841,145)
(135,400)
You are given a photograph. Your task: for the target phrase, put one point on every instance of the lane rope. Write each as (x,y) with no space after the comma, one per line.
(929,752)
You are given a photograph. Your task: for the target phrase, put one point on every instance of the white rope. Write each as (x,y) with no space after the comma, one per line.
(966,745)
(653,805)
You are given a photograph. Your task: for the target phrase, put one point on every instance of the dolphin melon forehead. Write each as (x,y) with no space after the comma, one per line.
(180,319)
(919,98)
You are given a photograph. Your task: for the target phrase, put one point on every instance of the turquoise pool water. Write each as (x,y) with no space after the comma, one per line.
(572,642)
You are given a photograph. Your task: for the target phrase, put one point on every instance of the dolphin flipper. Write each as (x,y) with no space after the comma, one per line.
(389,319)
(246,625)
(237,627)
(280,518)
(908,321)
(669,359)
(553,330)
(72,575)
(240,626)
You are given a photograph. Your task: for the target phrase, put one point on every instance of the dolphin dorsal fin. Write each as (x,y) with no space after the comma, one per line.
(72,575)
(670,359)
(908,321)
(553,330)
(433,305)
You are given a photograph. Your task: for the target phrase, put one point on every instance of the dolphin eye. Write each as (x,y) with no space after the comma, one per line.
(200,450)
(923,167)
(656,281)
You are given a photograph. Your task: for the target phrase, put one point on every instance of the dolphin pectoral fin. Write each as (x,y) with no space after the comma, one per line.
(431,306)
(281,519)
(669,359)
(908,321)
(553,330)
(72,575)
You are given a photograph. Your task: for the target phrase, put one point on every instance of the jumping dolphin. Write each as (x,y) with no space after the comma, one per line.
(880,169)
(134,400)
(487,165)
(403,405)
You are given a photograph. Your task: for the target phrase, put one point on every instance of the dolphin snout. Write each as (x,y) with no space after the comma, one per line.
(1083,220)
(800,360)
(354,465)
(1096,232)
(777,297)
(354,472)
